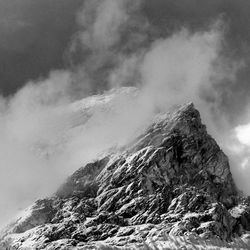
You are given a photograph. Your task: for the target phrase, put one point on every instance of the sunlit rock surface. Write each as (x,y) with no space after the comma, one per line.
(174,179)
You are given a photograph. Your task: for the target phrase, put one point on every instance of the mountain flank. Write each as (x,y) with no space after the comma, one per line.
(172,180)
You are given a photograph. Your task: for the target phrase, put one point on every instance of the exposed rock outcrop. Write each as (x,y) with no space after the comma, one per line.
(174,179)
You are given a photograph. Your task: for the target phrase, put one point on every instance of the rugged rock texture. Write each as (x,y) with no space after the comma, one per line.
(174,179)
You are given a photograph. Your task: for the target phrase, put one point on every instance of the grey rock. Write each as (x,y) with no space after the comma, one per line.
(173,179)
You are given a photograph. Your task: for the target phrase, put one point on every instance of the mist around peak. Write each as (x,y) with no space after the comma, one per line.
(54,125)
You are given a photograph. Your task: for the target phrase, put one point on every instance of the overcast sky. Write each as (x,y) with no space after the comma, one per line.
(33,38)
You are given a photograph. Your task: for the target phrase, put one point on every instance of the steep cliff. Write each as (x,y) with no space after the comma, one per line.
(174,179)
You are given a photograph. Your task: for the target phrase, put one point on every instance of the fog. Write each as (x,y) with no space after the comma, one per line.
(52,126)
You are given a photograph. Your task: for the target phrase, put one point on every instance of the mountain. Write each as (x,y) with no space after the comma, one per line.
(172,180)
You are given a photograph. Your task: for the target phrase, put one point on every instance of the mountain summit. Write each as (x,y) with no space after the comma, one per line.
(173,179)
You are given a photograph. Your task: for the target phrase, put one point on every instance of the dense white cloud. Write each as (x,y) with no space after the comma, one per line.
(243,134)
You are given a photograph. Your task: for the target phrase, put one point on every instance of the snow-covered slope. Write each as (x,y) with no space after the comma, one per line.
(172,179)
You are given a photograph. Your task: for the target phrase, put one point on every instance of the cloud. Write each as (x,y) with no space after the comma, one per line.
(101,22)
(109,31)
(30,121)
(177,67)
(242,133)
(104,23)
(238,148)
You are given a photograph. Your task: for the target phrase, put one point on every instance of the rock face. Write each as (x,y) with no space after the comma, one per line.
(174,179)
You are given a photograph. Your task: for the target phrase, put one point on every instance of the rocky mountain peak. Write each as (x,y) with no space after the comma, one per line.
(173,179)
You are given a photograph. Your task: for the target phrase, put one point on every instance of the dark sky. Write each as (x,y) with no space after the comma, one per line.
(34,36)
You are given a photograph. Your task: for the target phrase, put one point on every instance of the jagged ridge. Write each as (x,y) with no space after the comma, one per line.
(173,179)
